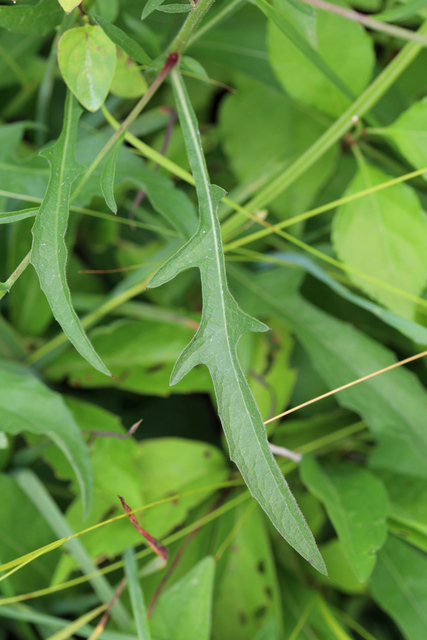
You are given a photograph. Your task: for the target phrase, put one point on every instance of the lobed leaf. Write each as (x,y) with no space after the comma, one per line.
(49,252)
(221,326)
(87,58)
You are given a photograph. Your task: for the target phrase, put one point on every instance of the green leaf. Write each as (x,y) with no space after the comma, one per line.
(136,596)
(23,529)
(385,236)
(393,404)
(49,252)
(344,46)
(15,216)
(108,175)
(411,330)
(151,6)
(340,574)
(401,12)
(69,5)
(184,611)
(87,59)
(222,324)
(409,133)
(399,586)
(301,34)
(357,505)
(251,147)
(27,405)
(125,42)
(40,18)
(246,591)
(174,8)
(128,81)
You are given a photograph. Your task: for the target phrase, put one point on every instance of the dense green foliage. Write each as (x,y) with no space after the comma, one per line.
(280,149)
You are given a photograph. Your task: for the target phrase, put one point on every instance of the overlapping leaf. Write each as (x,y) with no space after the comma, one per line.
(222,324)
(49,252)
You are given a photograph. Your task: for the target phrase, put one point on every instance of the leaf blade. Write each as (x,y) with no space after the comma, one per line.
(222,324)
(49,252)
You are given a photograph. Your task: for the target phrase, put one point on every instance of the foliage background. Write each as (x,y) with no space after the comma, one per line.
(299,112)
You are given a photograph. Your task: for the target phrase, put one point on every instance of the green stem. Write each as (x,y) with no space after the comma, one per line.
(6,286)
(365,102)
(191,23)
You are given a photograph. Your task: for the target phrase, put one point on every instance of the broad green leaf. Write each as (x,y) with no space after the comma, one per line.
(151,5)
(357,505)
(345,47)
(411,330)
(183,612)
(392,404)
(15,216)
(399,586)
(87,59)
(128,81)
(174,8)
(246,591)
(108,175)
(408,497)
(39,18)
(136,596)
(340,574)
(409,133)
(69,5)
(27,405)
(251,146)
(125,42)
(49,252)
(385,236)
(303,35)
(222,324)
(23,529)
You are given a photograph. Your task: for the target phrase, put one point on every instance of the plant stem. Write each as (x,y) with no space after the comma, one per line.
(375,25)
(6,286)
(366,101)
(192,22)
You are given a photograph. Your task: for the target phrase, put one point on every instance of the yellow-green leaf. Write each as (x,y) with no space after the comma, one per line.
(69,5)
(87,59)
(128,81)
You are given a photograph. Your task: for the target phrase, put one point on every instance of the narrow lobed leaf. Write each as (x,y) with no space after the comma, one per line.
(15,216)
(49,252)
(222,324)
